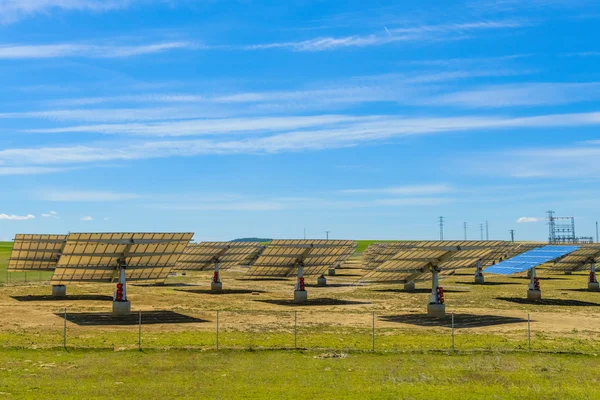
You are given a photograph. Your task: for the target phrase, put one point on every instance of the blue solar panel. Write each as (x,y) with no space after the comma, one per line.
(530,259)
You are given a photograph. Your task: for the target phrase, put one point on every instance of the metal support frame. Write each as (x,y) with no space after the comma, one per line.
(479,273)
(436,306)
(300,294)
(593,285)
(534,292)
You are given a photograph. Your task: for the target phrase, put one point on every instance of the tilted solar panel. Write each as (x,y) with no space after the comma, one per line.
(530,259)
(96,257)
(35,252)
(579,259)
(203,256)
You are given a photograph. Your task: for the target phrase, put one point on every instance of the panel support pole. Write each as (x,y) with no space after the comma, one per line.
(593,285)
(479,273)
(216,284)
(534,292)
(436,307)
(121,306)
(300,295)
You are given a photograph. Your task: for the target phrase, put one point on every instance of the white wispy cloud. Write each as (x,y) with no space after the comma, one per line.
(13,217)
(525,220)
(14,10)
(420,33)
(40,51)
(212,126)
(522,94)
(404,190)
(572,161)
(51,214)
(86,218)
(364,130)
(4,171)
(83,196)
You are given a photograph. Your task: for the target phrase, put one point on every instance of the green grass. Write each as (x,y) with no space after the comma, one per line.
(294,374)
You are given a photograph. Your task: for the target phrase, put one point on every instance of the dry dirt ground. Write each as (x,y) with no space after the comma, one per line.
(183,313)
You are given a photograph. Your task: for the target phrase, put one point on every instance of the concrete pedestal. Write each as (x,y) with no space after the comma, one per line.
(59,290)
(594,286)
(321,281)
(534,295)
(121,307)
(331,272)
(436,310)
(409,286)
(216,286)
(480,280)
(300,296)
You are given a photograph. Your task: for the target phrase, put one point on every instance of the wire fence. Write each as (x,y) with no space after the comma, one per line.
(313,330)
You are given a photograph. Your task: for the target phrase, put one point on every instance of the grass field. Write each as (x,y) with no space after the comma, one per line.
(411,357)
(294,374)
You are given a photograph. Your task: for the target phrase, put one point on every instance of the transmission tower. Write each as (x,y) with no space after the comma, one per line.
(441,224)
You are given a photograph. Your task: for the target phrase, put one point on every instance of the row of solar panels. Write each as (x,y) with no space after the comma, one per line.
(412,261)
(96,257)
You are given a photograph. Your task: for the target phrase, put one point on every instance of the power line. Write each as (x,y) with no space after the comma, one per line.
(512,235)
(327,233)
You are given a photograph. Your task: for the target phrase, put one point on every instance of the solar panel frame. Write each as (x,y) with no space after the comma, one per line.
(35,252)
(530,259)
(96,257)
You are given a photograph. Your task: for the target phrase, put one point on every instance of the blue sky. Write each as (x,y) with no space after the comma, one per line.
(244,118)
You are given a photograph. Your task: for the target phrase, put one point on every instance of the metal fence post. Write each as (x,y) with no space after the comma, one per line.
(140,332)
(529,331)
(373,333)
(217,329)
(295,329)
(65,331)
(452,332)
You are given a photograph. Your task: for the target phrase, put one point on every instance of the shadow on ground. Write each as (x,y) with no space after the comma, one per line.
(489,283)
(224,291)
(77,297)
(460,320)
(314,285)
(418,291)
(164,284)
(315,302)
(549,302)
(148,318)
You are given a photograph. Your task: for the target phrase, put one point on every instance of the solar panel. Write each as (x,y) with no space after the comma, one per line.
(530,259)
(35,252)
(96,257)
(202,256)
(282,258)
(579,259)
(417,263)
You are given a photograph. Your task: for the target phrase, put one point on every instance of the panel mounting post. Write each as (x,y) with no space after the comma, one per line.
(534,292)
(593,285)
(216,285)
(300,294)
(436,307)
(479,273)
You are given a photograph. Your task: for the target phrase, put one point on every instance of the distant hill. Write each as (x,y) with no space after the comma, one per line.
(253,239)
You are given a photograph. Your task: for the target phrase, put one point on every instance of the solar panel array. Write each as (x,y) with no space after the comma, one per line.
(35,252)
(96,257)
(203,256)
(579,259)
(283,257)
(417,263)
(530,259)
(386,251)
